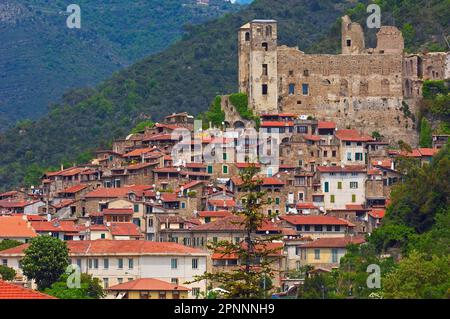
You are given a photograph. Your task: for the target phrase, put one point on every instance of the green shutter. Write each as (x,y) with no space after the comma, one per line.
(210,169)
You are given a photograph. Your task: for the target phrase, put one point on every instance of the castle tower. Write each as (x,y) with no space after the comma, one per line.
(390,40)
(352,37)
(258,65)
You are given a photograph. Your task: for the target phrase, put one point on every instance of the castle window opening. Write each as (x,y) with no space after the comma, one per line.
(305,89)
(247,36)
(264,67)
(291,72)
(264,89)
(291,89)
(269,31)
(265,45)
(306,72)
(349,42)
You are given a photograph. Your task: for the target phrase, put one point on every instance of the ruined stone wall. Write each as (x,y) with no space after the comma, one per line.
(363,91)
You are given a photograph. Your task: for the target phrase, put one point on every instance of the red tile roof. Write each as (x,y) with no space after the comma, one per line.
(314,138)
(315,220)
(230,223)
(428,151)
(117,211)
(138,152)
(140,166)
(307,205)
(16,203)
(102,247)
(116,192)
(352,136)
(377,213)
(277,124)
(125,229)
(272,181)
(355,207)
(63,226)
(74,189)
(326,125)
(15,227)
(12,291)
(147,284)
(190,185)
(245,165)
(339,242)
(219,214)
(222,202)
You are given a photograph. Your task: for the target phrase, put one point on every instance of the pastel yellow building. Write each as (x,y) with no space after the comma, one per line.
(148,288)
(326,252)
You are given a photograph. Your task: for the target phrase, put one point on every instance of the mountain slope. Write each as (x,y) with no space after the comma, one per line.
(40,57)
(185,77)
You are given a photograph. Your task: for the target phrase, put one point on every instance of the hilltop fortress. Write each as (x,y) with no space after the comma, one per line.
(370,89)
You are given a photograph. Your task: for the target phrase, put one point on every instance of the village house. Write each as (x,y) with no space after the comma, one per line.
(118,261)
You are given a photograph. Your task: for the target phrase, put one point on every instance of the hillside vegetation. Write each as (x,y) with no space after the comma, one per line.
(185,77)
(40,58)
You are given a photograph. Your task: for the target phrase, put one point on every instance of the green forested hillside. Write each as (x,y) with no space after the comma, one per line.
(185,77)
(40,57)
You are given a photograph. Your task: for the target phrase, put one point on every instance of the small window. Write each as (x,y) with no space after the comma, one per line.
(317,254)
(332,198)
(136,208)
(120,263)
(174,263)
(349,42)
(210,169)
(353,185)
(106,263)
(224,156)
(337,228)
(353,198)
(326,187)
(291,89)
(130,263)
(264,89)
(225,169)
(339,185)
(265,71)
(265,45)
(318,228)
(247,36)
(305,89)
(183,205)
(174,281)
(194,263)
(106,283)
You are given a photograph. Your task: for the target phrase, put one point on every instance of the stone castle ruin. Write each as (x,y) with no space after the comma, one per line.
(370,89)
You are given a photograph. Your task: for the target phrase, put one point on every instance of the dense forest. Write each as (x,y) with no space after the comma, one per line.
(186,77)
(41,58)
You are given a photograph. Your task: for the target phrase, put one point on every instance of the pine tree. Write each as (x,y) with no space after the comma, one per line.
(250,280)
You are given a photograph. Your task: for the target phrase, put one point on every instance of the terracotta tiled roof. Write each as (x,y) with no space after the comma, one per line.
(117,211)
(307,205)
(387,163)
(15,227)
(219,214)
(190,185)
(231,223)
(63,203)
(355,207)
(272,181)
(12,291)
(277,124)
(314,220)
(63,226)
(140,166)
(16,203)
(222,202)
(339,242)
(116,192)
(74,189)
(352,136)
(138,152)
(147,284)
(428,151)
(377,213)
(125,229)
(326,125)
(102,247)
(314,138)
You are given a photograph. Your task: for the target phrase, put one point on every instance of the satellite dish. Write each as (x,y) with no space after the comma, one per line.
(108,224)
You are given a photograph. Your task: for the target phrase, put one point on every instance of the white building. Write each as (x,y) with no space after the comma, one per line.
(343,185)
(118,261)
